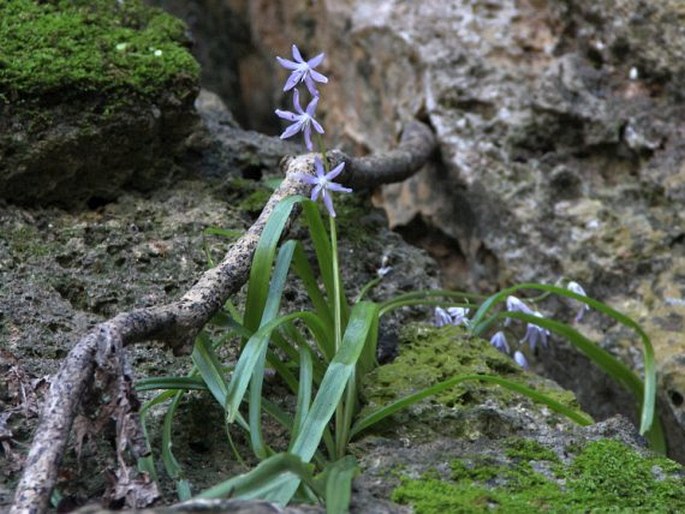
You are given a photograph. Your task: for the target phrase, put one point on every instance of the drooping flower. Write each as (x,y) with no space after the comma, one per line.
(442,317)
(575,287)
(534,333)
(516,305)
(520,359)
(303,120)
(458,315)
(451,316)
(499,341)
(385,266)
(303,71)
(323,183)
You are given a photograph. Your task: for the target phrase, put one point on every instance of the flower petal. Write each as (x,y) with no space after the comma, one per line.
(328,202)
(305,177)
(335,171)
(334,186)
(311,86)
(287,115)
(318,76)
(315,61)
(296,54)
(316,125)
(287,63)
(292,81)
(315,192)
(296,102)
(291,130)
(311,106)
(318,167)
(307,130)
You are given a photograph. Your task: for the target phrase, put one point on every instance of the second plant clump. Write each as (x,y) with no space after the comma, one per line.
(321,354)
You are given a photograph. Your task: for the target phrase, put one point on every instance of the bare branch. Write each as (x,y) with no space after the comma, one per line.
(178,323)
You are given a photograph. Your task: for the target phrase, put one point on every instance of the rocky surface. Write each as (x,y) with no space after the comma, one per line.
(558,125)
(63,271)
(561,134)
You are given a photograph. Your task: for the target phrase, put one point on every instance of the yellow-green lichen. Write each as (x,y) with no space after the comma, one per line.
(606,476)
(76,47)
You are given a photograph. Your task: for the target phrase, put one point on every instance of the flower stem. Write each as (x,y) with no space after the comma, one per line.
(340,412)
(337,310)
(322,151)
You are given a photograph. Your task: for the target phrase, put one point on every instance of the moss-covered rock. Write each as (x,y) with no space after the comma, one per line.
(94,96)
(471,409)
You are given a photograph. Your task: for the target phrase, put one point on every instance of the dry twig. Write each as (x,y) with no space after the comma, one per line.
(178,323)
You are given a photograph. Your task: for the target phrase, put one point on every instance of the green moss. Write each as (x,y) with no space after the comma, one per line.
(67,47)
(528,449)
(607,476)
(429,355)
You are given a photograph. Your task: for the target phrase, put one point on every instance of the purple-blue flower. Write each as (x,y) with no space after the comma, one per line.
(535,333)
(302,120)
(458,315)
(520,359)
(499,341)
(516,305)
(323,183)
(303,71)
(575,287)
(451,316)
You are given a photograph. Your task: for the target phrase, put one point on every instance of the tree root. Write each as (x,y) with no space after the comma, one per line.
(178,323)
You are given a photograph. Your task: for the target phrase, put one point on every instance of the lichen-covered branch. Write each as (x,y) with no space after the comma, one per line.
(178,323)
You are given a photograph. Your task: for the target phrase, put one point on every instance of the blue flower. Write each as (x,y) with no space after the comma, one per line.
(323,183)
(499,341)
(302,120)
(535,333)
(516,305)
(451,316)
(458,315)
(575,287)
(520,359)
(442,318)
(303,71)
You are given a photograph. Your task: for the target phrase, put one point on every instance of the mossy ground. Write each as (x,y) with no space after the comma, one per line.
(605,476)
(100,47)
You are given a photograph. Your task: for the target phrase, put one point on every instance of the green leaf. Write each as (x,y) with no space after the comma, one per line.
(259,482)
(171,383)
(171,465)
(209,367)
(271,308)
(258,285)
(338,478)
(250,357)
(304,393)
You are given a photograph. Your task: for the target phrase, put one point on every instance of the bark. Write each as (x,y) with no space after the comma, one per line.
(178,323)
